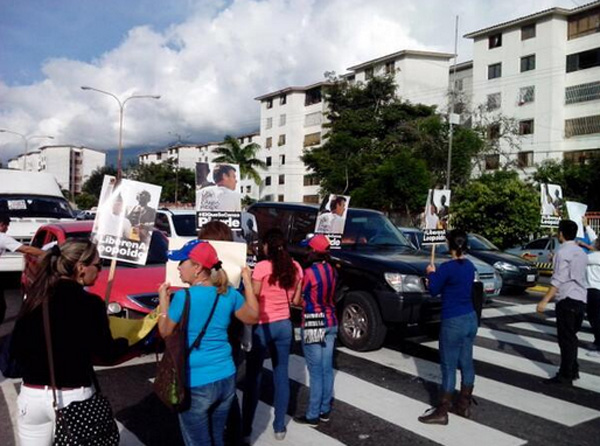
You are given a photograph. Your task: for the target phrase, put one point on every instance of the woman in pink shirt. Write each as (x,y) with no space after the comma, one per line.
(276,282)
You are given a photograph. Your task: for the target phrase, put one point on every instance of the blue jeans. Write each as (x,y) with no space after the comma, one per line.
(457,335)
(319,360)
(203,423)
(275,337)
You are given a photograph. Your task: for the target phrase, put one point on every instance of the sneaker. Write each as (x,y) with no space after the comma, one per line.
(280,435)
(308,421)
(593,354)
(324,417)
(558,380)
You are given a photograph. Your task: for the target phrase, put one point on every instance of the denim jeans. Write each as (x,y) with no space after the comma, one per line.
(319,360)
(275,337)
(203,424)
(457,335)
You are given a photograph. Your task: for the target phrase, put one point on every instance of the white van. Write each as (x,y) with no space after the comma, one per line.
(31,199)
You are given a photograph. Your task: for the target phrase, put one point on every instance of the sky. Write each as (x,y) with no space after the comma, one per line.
(207,59)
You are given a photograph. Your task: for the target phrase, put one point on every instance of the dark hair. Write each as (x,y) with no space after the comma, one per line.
(316,257)
(56,263)
(284,272)
(215,230)
(220,171)
(335,202)
(568,229)
(4,218)
(457,241)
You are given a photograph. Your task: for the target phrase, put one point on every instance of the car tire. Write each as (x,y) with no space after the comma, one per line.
(361,327)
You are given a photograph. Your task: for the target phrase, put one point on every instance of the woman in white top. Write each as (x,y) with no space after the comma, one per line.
(593,295)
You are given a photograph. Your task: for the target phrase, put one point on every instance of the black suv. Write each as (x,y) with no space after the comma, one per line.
(381,276)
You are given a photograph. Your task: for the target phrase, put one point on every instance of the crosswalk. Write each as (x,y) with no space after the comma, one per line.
(380,394)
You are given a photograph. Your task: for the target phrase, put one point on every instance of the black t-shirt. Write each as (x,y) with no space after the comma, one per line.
(80,335)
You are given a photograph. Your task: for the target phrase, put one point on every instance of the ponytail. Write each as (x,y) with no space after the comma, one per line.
(457,241)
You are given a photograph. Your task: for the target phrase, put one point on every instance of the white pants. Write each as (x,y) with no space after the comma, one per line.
(36,414)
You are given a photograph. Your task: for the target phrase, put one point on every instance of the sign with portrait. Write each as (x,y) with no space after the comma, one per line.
(332,218)
(552,203)
(217,195)
(125,219)
(435,216)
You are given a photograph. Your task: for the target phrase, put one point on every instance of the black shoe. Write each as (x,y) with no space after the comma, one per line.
(308,421)
(324,417)
(558,380)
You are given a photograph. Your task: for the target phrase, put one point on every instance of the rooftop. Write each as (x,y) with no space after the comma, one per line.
(403,54)
(289,90)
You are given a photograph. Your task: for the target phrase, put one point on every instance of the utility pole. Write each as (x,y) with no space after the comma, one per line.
(451,105)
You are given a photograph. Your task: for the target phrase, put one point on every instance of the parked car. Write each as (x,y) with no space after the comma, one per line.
(517,273)
(539,251)
(177,222)
(486,274)
(381,280)
(135,287)
(85,215)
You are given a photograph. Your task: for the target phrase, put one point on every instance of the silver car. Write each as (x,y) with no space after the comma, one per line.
(539,251)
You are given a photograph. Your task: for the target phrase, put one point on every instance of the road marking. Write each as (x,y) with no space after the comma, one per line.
(512,310)
(585,324)
(563,412)
(524,365)
(526,341)
(402,411)
(547,329)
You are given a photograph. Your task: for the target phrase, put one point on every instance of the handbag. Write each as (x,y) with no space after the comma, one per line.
(88,422)
(170,384)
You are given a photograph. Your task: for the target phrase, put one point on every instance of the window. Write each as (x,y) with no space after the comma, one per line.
(280,198)
(526,95)
(302,225)
(281,120)
(494,101)
(282,179)
(584,24)
(494,71)
(313,119)
(269,123)
(525,159)
(458,84)
(270,103)
(268,161)
(526,127)
(269,142)
(538,244)
(310,180)
(267,181)
(283,99)
(241,189)
(312,96)
(582,93)
(494,131)
(281,140)
(492,162)
(368,73)
(583,60)
(351,78)
(528,32)
(390,67)
(495,41)
(281,160)
(582,126)
(310,199)
(528,63)
(581,156)
(312,139)
(248,189)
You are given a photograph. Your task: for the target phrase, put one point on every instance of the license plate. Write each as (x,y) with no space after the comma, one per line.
(530,277)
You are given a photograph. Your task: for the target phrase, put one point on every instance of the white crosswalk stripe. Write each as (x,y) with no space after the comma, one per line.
(509,310)
(546,329)
(585,324)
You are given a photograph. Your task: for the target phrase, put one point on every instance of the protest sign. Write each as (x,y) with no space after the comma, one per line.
(435,216)
(332,218)
(551,201)
(217,197)
(576,212)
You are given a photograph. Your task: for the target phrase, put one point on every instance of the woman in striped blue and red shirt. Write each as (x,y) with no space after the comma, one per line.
(319,329)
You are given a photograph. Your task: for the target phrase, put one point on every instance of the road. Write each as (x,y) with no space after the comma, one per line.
(379,395)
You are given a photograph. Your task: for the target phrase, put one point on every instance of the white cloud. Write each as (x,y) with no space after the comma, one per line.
(209,68)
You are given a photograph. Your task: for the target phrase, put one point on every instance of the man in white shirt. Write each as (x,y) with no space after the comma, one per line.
(223,196)
(593,295)
(112,221)
(7,243)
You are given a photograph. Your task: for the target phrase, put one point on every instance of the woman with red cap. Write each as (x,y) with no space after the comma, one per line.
(211,370)
(319,329)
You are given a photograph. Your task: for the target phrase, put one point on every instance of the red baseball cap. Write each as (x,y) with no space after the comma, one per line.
(319,243)
(199,251)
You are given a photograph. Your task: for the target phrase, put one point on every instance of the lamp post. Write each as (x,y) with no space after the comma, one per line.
(121,109)
(26,139)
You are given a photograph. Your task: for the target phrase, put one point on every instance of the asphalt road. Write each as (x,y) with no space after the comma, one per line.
(379,395)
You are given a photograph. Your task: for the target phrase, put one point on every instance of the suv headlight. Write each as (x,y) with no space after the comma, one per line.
(505,266)
(405,283)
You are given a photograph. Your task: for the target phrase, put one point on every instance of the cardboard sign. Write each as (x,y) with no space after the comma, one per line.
(217,196)
(436,216)
(551,205)
(332,218)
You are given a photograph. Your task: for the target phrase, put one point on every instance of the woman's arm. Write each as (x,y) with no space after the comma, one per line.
(248,313)
(165,324)
(297,298)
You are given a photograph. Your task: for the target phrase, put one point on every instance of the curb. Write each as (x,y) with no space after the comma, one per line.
(539,288)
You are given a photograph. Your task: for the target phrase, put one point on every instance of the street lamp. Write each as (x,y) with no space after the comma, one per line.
(26,139)
(121,108)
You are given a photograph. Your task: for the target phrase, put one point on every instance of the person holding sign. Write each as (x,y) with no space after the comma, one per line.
(319,328)
(454,280)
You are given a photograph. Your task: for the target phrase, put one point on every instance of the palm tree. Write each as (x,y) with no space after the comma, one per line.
(233,153)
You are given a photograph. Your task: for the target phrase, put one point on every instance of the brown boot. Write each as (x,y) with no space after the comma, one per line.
(465,399)
(439,414)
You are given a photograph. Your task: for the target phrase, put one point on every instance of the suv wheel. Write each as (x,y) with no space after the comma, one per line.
(361,327)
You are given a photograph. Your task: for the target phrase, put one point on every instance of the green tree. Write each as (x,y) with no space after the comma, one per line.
(86,201)
(499,206)
(165,175)
(93,186)
(232,152)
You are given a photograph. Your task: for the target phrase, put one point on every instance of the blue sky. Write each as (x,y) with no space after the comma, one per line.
(207,59)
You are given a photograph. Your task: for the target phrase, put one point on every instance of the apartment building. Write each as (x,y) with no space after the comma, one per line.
(291,119)
(542,70)
(71,165)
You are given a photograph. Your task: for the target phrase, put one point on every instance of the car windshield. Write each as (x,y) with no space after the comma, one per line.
(28,206)
(185,225)
(479,243)
(372,229)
